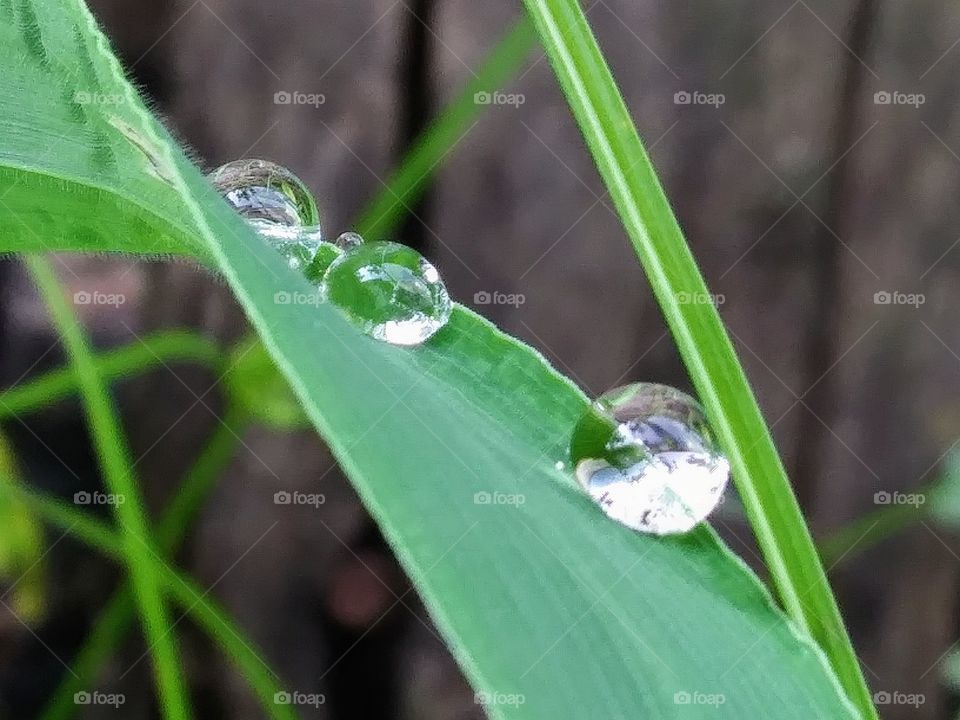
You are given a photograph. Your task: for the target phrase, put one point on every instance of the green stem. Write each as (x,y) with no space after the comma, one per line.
(131,517)
(869,530)
(701,338)
(116,617)
(152,351)
(407,182)
(191,598)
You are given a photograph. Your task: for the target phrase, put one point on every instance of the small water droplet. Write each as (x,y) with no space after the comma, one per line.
(264,191)
(349,241)
(559,465)
(646,455)
(390,291)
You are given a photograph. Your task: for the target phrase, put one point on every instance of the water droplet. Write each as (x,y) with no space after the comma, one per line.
(323,257)
(390,291)
(264,191)
(349,241)
(646,455)
(296,246)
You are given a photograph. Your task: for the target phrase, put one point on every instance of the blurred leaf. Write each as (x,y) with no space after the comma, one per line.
(255,385)
(155,350)
(943,499)
(21,545)
(950,670)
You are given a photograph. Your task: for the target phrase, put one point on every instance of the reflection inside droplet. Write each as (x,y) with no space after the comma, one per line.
(264,191)
(645,453)
(390,291)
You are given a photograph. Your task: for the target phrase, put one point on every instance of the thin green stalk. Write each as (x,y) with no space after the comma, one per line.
(115,619)
(407,182)
(701,338)
(152,351)
(190,597)
(867,531)
(114,457)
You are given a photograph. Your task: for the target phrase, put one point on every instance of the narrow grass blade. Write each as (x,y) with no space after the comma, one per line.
(191,598)
(700,335)
(114,457)
(114,621)
(405,185)
(152,351)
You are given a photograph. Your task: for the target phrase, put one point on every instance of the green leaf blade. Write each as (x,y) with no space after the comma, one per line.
(701,337)
(545,599)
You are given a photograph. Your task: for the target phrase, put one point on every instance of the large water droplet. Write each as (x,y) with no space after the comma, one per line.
(390,291)
(646,455)
(264,191)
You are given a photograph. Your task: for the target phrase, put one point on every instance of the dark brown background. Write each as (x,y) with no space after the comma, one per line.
(800,196)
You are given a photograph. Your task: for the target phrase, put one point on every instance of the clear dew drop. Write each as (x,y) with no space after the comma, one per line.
(646,455)
(390,291)
(348,241)
(260,190)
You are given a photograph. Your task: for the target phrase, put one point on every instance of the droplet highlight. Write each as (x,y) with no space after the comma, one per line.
(646,455)
(389,291)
